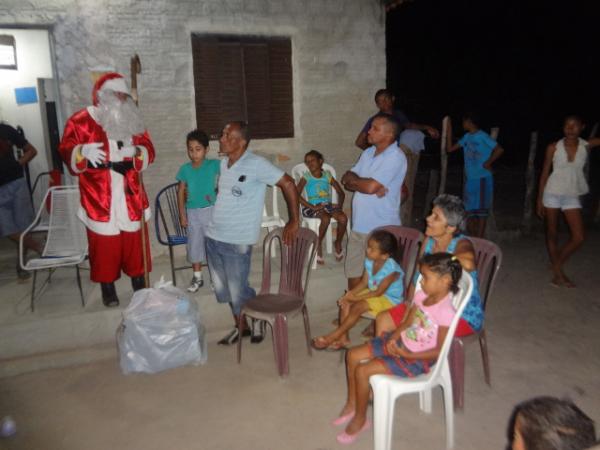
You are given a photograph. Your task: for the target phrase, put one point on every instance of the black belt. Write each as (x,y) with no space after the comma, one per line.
(121,167)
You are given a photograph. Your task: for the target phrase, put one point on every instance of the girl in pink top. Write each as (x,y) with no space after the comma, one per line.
(411,349)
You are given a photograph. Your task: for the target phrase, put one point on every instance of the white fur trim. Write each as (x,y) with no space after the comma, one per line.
(115,85)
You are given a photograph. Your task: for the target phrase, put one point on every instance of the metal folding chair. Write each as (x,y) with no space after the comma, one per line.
(66,239)
(169,231)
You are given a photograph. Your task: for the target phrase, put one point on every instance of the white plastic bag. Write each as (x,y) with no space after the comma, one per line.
(160,330)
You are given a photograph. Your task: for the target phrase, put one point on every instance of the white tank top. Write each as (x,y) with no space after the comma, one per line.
(567,177)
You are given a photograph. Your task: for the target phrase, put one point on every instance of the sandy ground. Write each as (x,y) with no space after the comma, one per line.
(542,340)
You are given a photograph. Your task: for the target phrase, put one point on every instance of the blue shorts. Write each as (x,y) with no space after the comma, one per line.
(198,219)
(328,208)
(478,196)
(16,211)
(395,365)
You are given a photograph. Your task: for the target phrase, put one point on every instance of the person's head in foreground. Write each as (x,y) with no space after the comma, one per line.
(549,423)
(447,216)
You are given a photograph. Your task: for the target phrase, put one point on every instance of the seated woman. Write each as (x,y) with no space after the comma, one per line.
(443,232)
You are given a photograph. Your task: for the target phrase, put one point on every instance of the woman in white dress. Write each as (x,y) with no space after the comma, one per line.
(560,190)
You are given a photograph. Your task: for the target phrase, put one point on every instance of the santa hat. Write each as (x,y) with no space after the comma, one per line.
(110,81)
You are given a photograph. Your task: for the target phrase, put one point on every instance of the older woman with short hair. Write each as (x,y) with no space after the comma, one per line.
(443,234)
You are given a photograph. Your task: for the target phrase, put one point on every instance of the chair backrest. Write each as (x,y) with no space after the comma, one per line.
(166,216)
(410,241)
(459,301)
(296,261)
(66,232)
(274,206)
(299,169)
(488,259)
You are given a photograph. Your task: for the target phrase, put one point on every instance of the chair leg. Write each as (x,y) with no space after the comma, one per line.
(449,413)
(33,289)
(241,319)
(329,240)
(383,417)
(457,371)
(307,329)
(425,401)
(172,266)
(314,226)
(485,358)
(79,286)
(280,344)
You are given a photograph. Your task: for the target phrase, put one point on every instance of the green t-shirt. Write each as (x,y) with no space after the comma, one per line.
(201,183)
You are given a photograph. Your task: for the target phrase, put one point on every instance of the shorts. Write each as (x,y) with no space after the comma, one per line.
(394,365)
(478,195)
(311,213)
(561,202)
(377,304)
(198,219)
(355,255)
(16,211)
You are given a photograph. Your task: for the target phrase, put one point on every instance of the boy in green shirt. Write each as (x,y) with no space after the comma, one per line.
(197,194)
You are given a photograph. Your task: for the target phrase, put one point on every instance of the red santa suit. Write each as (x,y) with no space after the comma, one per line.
(112,198)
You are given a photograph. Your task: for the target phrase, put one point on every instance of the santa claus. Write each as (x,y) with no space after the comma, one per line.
(106,146)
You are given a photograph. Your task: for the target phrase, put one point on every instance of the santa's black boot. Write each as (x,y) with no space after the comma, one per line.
(138,283)
(109,294)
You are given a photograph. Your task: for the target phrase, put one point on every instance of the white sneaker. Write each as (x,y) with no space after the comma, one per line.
(196,284)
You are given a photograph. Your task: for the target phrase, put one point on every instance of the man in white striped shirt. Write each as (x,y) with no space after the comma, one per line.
(235,224)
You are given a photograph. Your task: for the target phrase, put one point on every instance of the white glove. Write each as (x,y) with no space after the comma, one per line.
(93,153)
(128,151)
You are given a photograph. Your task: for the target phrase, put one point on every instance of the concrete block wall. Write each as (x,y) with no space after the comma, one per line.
(338,50)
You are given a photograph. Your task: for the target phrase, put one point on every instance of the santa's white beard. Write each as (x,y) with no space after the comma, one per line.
(119,119)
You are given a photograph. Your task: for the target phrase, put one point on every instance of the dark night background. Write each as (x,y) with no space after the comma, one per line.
(520,65)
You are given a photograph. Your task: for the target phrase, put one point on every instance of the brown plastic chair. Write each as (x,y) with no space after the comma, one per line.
(274,308)
(410,240)
(488,257)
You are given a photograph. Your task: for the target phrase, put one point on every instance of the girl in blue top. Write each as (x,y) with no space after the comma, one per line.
(317,184)
(380,289)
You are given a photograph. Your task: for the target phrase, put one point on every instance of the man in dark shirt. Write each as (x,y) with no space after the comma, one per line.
(16,212)
(384,99)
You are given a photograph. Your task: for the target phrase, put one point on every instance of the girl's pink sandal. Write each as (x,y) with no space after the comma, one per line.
(347,439)
(342,420)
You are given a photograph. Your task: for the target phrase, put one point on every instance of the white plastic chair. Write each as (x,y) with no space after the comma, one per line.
(314,222)
(66,241)
(387,388)
(272,220)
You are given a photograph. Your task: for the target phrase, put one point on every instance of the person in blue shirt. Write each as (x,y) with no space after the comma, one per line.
(234,227)
(196,195)
(380,288)
(318,183)
(480,152)
(376,180)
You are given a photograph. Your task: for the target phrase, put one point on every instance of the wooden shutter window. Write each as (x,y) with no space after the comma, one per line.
(243,78)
